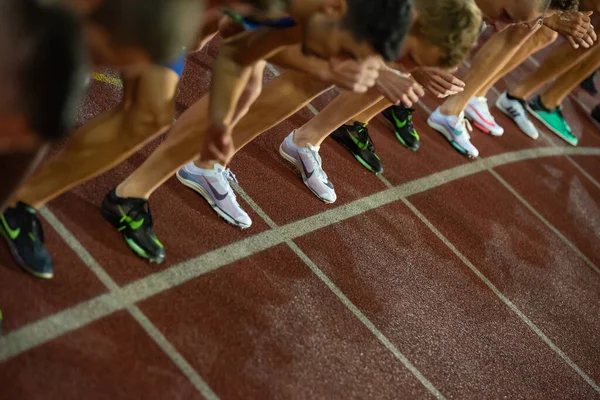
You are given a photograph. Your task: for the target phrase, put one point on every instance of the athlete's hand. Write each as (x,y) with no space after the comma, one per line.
(586,41)
(439,82)
(357,76)
(217,146)
(399,88)
(575,26)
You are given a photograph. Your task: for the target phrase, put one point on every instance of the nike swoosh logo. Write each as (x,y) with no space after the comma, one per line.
(357,142)
(398,123)
(12,233)
(308,175)
(218,196)
(135,225)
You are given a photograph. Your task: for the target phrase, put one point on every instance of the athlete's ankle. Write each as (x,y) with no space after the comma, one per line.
(548,104)
(208,165)
(125,191)
(302,138)
(513,97)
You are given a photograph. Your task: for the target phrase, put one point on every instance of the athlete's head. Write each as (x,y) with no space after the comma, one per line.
(41,73)
(357,28)
(500,13)
(126,32)
(443,34)
(564,5)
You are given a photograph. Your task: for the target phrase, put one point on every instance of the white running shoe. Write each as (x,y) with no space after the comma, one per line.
(478,112)
(308,161)
(214,186)
(455,130)
(515,110)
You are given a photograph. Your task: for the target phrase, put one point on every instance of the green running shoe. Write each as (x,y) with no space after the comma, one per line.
(552,119)
(401,118)
(356,139)
(133,219)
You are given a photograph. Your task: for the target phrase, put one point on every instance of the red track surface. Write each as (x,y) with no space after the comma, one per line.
(446,278)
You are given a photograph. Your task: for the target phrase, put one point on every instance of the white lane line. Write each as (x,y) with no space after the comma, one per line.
(545,221)
(343,298)
(133,310)
(583,172)
(36,333)
(366,322)
(503,298)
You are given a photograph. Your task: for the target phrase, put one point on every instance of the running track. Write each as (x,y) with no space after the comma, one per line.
(444,278)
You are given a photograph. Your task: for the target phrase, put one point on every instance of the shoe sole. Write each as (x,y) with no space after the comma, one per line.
(481,126)
(208,198)
(116,222)
(20,262)
(294,162)
(442,131)
(547,125)
(505,112)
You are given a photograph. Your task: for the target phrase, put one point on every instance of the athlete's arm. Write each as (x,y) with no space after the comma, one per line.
(233,67)
(347,74)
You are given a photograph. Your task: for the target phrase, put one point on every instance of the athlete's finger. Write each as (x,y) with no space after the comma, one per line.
(437,90)
(572,41)
(413,96)
(446,84)
(450,78)
(406,101)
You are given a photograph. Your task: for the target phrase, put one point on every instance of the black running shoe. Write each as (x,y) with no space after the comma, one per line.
(133,219)
(589,84)
(357,140)
(401,118)
(596,114)
(23,232)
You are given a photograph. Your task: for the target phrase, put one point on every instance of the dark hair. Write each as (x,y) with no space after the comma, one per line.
(564,5)
(384,24)
(49,72)
(160,27)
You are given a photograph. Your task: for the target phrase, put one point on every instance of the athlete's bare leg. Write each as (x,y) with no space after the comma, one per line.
(543,37)
(367,115)
(343,107)
(486,64)
(146,112)
(185,140)
(554,95)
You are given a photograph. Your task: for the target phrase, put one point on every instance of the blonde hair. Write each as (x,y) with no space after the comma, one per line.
(452,25)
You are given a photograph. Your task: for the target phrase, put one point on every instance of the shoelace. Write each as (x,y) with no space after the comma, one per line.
(140,209)
(31,219)
(314,151)
(363,136)
(228,175)
(466,127)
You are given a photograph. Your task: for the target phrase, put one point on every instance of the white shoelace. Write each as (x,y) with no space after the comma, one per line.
(314,151)
(228,175)
(466,127)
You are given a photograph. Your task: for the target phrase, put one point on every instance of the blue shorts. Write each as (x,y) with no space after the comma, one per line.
(178,64)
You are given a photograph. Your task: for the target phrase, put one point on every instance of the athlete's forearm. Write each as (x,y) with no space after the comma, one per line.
(293,58)
(233,67)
